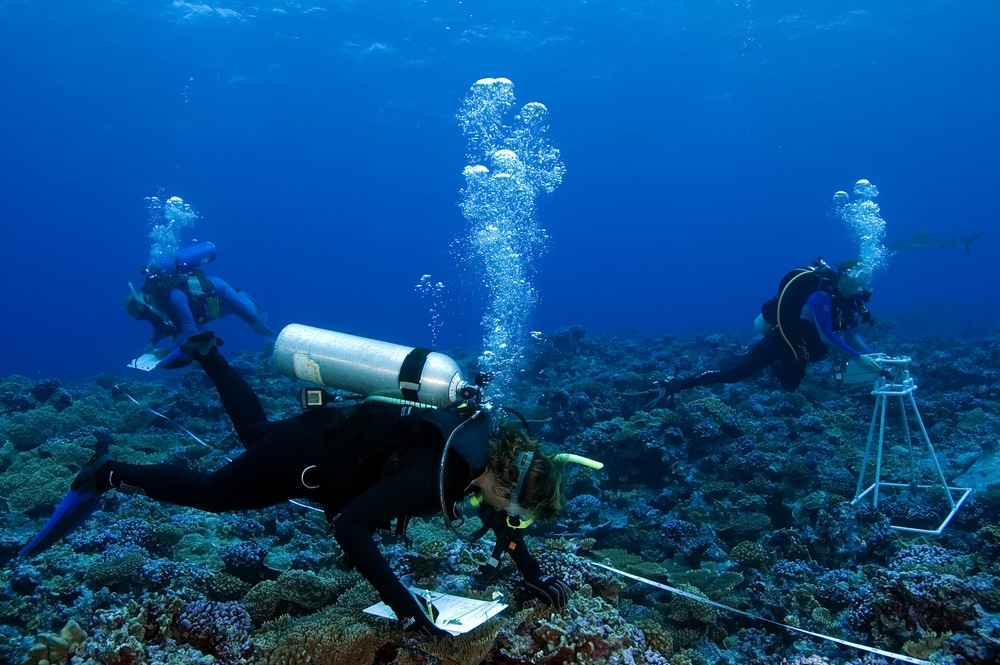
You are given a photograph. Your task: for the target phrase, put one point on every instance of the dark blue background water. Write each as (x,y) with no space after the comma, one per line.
(703,143)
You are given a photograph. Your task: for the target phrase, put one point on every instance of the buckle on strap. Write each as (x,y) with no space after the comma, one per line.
(410,371)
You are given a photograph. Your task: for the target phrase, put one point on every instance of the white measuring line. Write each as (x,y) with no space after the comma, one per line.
(702,599)
(670,589)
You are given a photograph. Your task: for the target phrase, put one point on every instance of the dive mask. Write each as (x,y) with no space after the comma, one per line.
(517,516)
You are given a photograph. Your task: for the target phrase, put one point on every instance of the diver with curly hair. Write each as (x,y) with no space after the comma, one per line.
(366,464)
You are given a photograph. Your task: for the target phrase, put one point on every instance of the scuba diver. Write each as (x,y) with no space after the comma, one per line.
(814,306)
(177,299)
(366,463)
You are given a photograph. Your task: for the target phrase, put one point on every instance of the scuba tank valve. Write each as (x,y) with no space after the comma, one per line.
(368,367)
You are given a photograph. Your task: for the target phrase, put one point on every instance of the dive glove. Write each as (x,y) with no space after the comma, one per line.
(868,363)
(657,392)
(417,617)
(551,591)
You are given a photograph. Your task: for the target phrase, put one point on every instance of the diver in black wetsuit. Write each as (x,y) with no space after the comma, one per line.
(367,465)
(814,306)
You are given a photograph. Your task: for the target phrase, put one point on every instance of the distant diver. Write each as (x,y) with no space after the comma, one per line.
(813,308)
(178,299)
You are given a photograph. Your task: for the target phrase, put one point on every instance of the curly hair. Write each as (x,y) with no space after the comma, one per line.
(542,490)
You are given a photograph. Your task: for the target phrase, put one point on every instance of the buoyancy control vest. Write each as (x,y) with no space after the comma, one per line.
(364,447)
(202,297)
(784,310)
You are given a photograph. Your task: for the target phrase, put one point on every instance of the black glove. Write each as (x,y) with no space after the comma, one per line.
(550,591)
(415,617)
(488,574)
(657,392)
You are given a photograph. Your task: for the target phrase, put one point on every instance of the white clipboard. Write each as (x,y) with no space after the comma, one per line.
(144,363)
(457,615)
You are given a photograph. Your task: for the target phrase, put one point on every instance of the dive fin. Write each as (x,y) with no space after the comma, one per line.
(176,359)
(79,504)
(263,330)
(261,326)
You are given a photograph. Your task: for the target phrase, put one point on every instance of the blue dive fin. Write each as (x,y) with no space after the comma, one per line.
(79,504)
(261,326)
(176,359)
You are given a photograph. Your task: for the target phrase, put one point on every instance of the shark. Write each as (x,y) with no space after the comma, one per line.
(924,240)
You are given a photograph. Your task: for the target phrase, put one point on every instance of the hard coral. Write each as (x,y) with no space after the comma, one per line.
(903,604)
(749,554)
(245,560)
(472,648)
(333,636)
(33,487)
(56,648)
(589,630)
(115,569)
(222,629)
(294,592)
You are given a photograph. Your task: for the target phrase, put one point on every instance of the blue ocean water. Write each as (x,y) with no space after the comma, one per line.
(703,143)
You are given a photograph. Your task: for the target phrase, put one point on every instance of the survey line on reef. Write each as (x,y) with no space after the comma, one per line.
(669,589)
(702,599)
(193,436)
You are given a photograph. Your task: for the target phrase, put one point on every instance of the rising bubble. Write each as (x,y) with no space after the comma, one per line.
(167,220)
(865,223)
(509,166)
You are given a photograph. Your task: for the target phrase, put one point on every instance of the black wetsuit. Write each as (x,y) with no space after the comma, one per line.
(808,340)
(344,458)
(771,351)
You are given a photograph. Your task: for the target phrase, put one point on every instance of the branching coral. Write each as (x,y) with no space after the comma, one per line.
(115,569)
(219,629)
(588,631)
(333,636)
(472,648)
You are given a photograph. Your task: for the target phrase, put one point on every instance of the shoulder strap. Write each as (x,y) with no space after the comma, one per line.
(797,279)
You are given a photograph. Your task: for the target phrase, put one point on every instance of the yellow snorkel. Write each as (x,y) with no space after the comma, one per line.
(569,458)
(517,517)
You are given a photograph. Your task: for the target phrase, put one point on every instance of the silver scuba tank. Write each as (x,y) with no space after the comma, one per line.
(366,366)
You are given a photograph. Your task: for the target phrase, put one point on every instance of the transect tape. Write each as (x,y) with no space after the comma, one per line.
(670,589)
(702,599)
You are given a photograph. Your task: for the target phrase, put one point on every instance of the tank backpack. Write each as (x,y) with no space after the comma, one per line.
(795,287)
(202,297)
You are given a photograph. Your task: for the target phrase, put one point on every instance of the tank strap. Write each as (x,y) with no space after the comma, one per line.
(410,371)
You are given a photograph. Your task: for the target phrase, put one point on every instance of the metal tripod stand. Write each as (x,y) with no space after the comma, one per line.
(895,381)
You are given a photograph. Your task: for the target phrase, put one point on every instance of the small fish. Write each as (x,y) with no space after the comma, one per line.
(925,241)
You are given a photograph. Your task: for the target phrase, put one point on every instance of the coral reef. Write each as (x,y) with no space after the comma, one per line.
(737,494)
